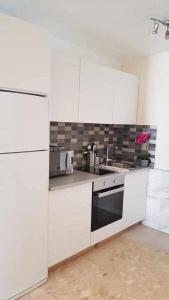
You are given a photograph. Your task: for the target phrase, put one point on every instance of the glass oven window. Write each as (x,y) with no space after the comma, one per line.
(107,207)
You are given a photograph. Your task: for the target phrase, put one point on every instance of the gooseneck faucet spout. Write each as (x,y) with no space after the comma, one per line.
(107,156)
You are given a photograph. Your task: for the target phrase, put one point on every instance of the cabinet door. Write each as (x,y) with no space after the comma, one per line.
(125,102)
(24,56)
(23,221)
(23,122)
(135,197)
(64,100)
(69,221)
(96,94)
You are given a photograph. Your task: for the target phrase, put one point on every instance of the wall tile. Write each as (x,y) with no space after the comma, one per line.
(119,138)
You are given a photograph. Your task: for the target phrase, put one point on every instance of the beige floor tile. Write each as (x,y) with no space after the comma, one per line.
(131,266)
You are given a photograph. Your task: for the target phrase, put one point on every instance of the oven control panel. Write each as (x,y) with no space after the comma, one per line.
(108,182)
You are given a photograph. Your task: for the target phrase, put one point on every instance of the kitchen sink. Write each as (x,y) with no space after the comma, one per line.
(118,167)
(123,165)
(114,169)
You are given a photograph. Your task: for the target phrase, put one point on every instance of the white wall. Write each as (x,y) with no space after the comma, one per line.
(153,109)
(153,72)
(153,105)
(65,47)
(132,65)
(157,214)
(154,97)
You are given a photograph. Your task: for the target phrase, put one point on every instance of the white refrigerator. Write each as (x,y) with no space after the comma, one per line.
(24,172)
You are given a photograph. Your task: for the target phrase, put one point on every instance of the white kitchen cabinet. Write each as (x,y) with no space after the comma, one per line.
(64,100)
(69,221)
(24,56)
(96,94)
(126,98)
(23,221)
(107,95)
(23,122)
(135,197)
(85,92)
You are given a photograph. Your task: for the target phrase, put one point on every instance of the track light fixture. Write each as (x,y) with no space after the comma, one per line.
(157,23)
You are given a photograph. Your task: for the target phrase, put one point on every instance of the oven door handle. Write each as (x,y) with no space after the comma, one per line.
(104,194)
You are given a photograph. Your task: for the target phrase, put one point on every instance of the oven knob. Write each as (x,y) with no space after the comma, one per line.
(104,183)
(114,181)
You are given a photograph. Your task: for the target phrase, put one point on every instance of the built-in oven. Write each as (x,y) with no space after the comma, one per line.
(107,201)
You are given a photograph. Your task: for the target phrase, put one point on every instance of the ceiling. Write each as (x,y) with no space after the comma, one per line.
(113,27)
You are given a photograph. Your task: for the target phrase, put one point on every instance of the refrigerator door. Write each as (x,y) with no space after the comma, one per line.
(23,122)
(23,221)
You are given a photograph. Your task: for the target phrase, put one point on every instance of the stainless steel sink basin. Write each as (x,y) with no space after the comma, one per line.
(119,167)
(122,165)
(113,169)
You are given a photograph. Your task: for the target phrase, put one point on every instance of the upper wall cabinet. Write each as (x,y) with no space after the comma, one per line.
(125,100)
(64,99)
(90,93)
(24,56)
(96,94)
(107,95)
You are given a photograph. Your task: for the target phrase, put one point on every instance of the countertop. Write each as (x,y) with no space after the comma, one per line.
(77,177)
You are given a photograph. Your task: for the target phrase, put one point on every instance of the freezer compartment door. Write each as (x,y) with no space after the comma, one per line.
(23,122)
(23,221)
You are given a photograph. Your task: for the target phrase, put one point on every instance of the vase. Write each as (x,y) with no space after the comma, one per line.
(143,162)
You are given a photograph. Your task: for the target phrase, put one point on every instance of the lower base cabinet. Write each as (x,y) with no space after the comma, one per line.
(70,216)
(135,197)
(69,222)
(134,206)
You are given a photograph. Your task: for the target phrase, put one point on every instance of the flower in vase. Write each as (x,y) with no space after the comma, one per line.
(142,138)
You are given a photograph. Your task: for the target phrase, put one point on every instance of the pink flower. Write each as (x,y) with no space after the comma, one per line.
(142,138)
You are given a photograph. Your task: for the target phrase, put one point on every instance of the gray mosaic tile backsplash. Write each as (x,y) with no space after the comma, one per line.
(119,138)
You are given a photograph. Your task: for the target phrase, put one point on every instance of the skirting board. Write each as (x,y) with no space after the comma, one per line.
(28,290)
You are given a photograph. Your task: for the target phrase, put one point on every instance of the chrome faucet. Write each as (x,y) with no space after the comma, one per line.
(107,154)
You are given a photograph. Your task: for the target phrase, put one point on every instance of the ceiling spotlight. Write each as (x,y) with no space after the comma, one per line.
(157,22)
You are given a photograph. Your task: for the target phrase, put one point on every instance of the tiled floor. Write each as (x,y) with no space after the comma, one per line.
(131,266)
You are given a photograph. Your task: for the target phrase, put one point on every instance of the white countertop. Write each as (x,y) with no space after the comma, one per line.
(77,177)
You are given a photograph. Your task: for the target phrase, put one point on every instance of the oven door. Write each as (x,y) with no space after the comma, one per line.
(107,206)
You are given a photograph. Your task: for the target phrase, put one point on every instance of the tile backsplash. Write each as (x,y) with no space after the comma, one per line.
(119,138)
